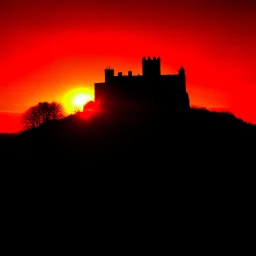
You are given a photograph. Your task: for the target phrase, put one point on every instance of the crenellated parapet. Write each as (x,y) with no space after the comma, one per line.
(151,66)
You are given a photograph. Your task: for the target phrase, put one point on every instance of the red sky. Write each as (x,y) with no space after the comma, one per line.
(49,47)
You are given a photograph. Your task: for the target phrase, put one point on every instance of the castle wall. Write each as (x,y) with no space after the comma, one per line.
(151,88)
(140,90)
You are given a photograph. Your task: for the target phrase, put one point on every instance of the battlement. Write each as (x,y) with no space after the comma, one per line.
(151,67)
(150,59)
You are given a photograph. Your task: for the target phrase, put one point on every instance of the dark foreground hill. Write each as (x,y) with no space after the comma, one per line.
(194,172)
(131,142)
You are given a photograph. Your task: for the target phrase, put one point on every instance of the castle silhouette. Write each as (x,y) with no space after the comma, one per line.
(143,92)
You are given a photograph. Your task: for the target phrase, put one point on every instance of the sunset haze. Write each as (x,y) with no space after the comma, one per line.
(49,49)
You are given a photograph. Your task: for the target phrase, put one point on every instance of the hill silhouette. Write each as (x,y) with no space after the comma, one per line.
(195,170)
(135,141)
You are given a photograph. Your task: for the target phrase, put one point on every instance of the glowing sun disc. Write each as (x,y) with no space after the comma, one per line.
(77,98)
(80,100)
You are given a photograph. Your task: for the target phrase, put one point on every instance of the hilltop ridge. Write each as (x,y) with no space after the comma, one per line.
(103,135)
(201,155)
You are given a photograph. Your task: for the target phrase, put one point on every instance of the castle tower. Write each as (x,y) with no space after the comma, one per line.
(182,71)
(109,74)
(151,67)
(182,75)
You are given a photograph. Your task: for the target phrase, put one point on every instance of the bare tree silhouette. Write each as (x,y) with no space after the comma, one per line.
(31,118)
(56,111)
(41,113)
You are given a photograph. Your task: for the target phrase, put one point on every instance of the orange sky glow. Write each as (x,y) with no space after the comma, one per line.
(52,50)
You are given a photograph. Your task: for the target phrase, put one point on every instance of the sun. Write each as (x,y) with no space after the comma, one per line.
(76,98)
(80,100)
